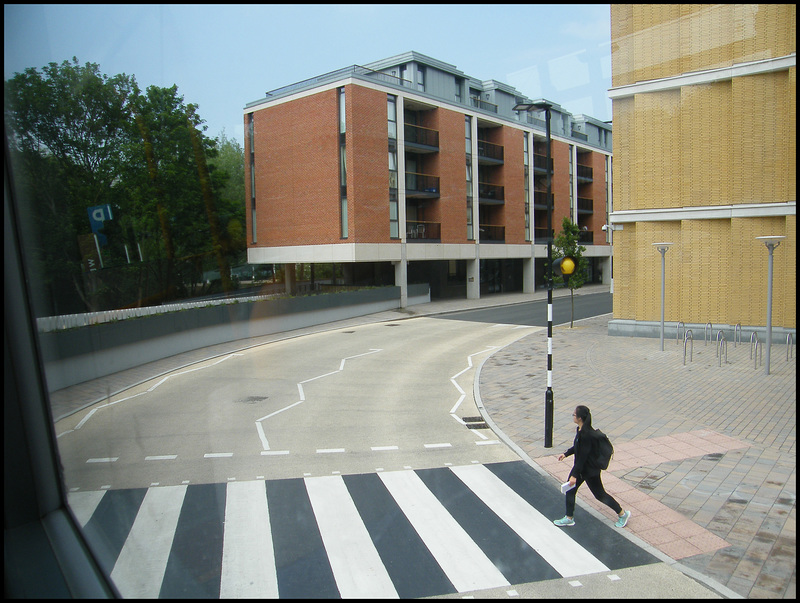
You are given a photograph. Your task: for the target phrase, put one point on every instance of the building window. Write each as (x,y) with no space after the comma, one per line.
(420,78)
(342,166)
(394,210)
(468,146)
(526,168)
(251,141)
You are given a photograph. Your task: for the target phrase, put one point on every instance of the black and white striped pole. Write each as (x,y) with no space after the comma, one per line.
(543,105)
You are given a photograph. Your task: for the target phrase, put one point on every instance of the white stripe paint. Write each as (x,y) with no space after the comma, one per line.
(329,450)
(377,448)
(161,457)
(111,459)
(83,504)
(442,445)
(248,557)
(465,564)
(566,556)
(141,564)
(217,455)
(356,565)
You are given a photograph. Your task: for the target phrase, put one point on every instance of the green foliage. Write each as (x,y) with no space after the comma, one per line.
(78,139)
(567,243)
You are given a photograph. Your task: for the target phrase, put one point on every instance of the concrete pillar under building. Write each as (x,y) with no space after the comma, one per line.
(528,275)
(401,280)
(473,279)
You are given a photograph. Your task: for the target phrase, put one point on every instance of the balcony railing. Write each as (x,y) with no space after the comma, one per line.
(585,205)
(423,231)
(492,233)
(422,185)
(584,172)
(540,199)
(540,163)
(540,236)
(489,150)
(481,104)
(491,193)
(586,238)
(417,135)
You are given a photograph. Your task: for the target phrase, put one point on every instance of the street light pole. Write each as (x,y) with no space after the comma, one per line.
(543,105)
(771,243)
(662,247)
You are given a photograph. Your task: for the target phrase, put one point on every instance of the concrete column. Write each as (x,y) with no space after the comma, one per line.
(528,274)
(290,278)
(473,279)
(401,280)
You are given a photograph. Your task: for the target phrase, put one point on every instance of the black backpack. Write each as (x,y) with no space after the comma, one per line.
(602,450)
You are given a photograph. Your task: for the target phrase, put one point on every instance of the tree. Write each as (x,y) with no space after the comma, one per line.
(566,244)
(85,139)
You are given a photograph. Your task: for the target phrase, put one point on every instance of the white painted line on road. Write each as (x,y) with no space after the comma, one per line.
(274,452)
(356,565)
(248,557)
(377,448)
(442,445)
(565,555)
(329,450)
(217,455)
(142,562)
(161,457)
(103,460)
(465,564)
(486,443)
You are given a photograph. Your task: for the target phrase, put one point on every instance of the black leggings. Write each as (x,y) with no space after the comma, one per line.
(596,486)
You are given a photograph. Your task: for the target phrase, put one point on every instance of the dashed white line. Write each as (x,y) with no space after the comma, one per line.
(217,455)
(329,450)
(378,448)
(442,445)
(161,457)
(103,460)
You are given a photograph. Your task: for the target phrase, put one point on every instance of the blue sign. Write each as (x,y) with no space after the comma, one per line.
(97,215)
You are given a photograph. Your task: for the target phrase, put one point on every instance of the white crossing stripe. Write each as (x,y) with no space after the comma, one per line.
(248,557)
(356,565)
(141,564)
(83,504)
(464,563)
(566,556)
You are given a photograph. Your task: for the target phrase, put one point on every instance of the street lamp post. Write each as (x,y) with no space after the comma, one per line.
(771,242)
(543,105)
(662,247)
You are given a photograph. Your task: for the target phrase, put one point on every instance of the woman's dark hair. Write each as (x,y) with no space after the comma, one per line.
(585,415)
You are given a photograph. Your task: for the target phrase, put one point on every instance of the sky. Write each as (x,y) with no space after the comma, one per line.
(222,57)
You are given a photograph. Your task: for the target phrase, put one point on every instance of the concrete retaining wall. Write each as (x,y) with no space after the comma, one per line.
(87,353)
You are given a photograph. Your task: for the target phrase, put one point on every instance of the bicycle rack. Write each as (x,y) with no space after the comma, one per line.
(789,350)
(706,329)
(722,343)
(759,351)
(738,326)
(687,338)
(678,328)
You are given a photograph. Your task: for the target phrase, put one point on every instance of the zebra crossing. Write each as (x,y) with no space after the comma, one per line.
(390,534)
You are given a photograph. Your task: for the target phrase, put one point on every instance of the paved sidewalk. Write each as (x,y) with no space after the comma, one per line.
(705,455)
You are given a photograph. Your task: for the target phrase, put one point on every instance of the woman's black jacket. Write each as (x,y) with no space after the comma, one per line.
(583,466)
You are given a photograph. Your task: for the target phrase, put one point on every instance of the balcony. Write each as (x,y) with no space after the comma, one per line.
(585,206)
(585,173)
(422,232)
(540,200)
(421,140)
(540,236)
(540,164)
(481,104)
(586,238)
(421,186)
(490,153)
(491,194)
(492,233)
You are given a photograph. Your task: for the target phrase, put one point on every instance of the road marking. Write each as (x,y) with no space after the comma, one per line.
(274,452)
(442,445)
(565,555)
(356,565)
(378,448)
(329,450)
(161,457)
(217,455)
(461,559)
(248,556)
(142,562)
(103,460)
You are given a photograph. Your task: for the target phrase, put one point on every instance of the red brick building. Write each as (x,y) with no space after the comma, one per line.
(409,171)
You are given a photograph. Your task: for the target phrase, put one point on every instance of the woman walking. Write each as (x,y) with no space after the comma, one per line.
(583,470)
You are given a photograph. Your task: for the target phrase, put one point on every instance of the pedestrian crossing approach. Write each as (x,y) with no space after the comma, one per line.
(411,533)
